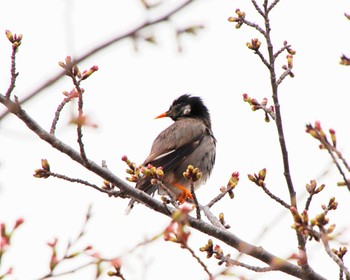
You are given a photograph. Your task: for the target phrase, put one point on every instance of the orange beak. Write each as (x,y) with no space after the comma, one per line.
(162,115)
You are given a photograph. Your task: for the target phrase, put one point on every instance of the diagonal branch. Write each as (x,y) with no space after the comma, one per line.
(104,45)
(204,227)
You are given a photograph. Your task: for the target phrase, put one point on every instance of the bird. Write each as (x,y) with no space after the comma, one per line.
(188,141)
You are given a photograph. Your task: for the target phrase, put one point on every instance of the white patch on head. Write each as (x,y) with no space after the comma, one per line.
(187,109)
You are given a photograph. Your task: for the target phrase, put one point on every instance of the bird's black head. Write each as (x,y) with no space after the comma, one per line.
(187,106)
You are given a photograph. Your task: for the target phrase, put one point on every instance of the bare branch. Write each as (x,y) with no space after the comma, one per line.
(217,232)
(334,257)
(57,114)
(77,180)
(13,73)
(273,4)
(286,73)
(202,264)
(80,117)
(198,210)
(129,34)
(267,64)
(275,198)
(285,47)
(254,25)
(256,6)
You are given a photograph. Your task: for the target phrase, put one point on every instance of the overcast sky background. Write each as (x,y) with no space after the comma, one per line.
(131,88)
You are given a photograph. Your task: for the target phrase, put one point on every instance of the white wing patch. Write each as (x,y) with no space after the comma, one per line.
(163,155)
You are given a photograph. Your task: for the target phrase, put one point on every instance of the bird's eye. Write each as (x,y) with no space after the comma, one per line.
(186,110)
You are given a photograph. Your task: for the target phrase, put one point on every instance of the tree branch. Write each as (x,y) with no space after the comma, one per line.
(98,48)
(219,233)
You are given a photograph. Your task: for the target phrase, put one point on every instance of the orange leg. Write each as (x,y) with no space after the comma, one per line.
(186,194)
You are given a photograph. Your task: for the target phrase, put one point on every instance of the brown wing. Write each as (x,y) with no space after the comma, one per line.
(175,143)
(171,147)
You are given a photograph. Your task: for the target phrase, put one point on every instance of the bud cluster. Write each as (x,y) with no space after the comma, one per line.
(290,57)
(117,265)
(192,173)
(239,18)
(152,171)
(217,252)
(258,179)
(134,171)
(344,60)
(313,189)
(341,252)
(232,183)
(222,221)
(255,105)
(254,44)
(72,70)
(15,39)
(44,171)
(305,226)
(318,133)
(107,185)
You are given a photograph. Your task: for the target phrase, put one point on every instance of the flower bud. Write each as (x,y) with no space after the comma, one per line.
(9,35)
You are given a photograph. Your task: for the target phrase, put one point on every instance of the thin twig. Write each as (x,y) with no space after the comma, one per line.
(339,168)
(273,4)
(256,6)
(232,262)
(57,114)
(278,122)
(198,210)
(76,180)
(308,201)
(280,201)
(279,125)
(334,257)
(185,246)
(13,73)
(218,197)
(169,193)
(285,47)
(78,268)
(283,76)
(254,25)
(68,254)
(343,160)
(211,217)
(267,64)
(330,150)
(80,118)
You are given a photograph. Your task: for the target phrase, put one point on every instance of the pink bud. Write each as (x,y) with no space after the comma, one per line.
(318,125)
(124,158)
(53,243)
(94,68)
(19,222)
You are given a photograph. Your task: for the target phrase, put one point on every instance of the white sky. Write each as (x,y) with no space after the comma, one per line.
(130,89)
